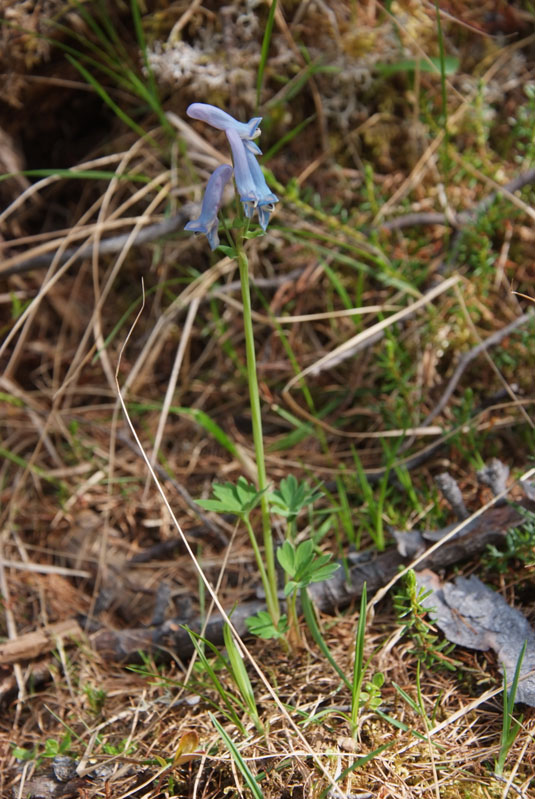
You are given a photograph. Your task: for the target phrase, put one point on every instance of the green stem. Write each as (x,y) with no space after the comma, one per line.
(270,586)
(257,553)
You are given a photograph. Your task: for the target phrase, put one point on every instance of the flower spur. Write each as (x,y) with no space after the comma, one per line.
(220,119)
(208,222)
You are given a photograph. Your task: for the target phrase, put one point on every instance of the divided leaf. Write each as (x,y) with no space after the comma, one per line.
(239,498)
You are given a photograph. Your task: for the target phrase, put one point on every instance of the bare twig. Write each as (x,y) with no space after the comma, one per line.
(469,356)
(464,217)
(111,245)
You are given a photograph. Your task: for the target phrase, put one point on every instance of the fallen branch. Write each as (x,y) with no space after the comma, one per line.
(39,642)
(374,570)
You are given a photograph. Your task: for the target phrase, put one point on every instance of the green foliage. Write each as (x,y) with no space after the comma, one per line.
(242,766)
(52,748)
(375,497)
(124,747)
(239,498)
(96,697)
(303,566)
(363,694)
(206,678)
(510,725)
(522,135)
(262,625)
(448,66)
(104,52)
(519,546)
(241,678)
(199,416)
(410,611)
(467,440)
(268,30)
(312,623)
(417,705)
(18,306)
(292,497)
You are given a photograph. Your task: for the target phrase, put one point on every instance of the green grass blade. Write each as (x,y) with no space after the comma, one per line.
(201,417)
(265,51)
(510,727)
(240,676)
(109,64)
(238,759)
(37,470)
(312,623)
(287,138)
(358,662)
(442,55)
(229,709)
(111,31)
(150,91)
(108,39)
(103,94)
(358,763)
(408,699)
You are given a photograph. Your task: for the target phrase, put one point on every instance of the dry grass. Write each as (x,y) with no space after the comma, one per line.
(76,506)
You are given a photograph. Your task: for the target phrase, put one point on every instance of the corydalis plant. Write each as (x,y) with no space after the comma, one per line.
(255,195)
(254,192)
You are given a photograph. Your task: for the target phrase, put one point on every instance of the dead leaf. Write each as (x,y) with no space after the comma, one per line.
(472,615)
(187,748)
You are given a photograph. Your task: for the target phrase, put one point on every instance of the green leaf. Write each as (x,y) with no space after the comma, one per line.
(240,676)
(324,572)
(286,557)
(302,566)
(254,233)
(230,252)
(20,753)
(239,498)
(51,747)
(310,618)
(292,497)
(304,556)
(290,587)
(262,625)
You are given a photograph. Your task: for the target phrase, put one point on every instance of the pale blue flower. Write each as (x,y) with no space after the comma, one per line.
(252,187)
(208,222)
(220,119)
(254,192)
(266,198)
(242,173)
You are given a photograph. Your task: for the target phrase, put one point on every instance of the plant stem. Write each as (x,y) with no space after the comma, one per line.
(294,633)
(272,599)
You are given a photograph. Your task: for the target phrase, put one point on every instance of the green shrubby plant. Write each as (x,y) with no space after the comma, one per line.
(411,612)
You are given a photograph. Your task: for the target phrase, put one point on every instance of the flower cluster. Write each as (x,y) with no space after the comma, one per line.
(254,192)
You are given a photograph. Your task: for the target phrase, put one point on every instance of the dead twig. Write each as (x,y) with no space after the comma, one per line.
(106,246)
(463,218)
(469,356)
